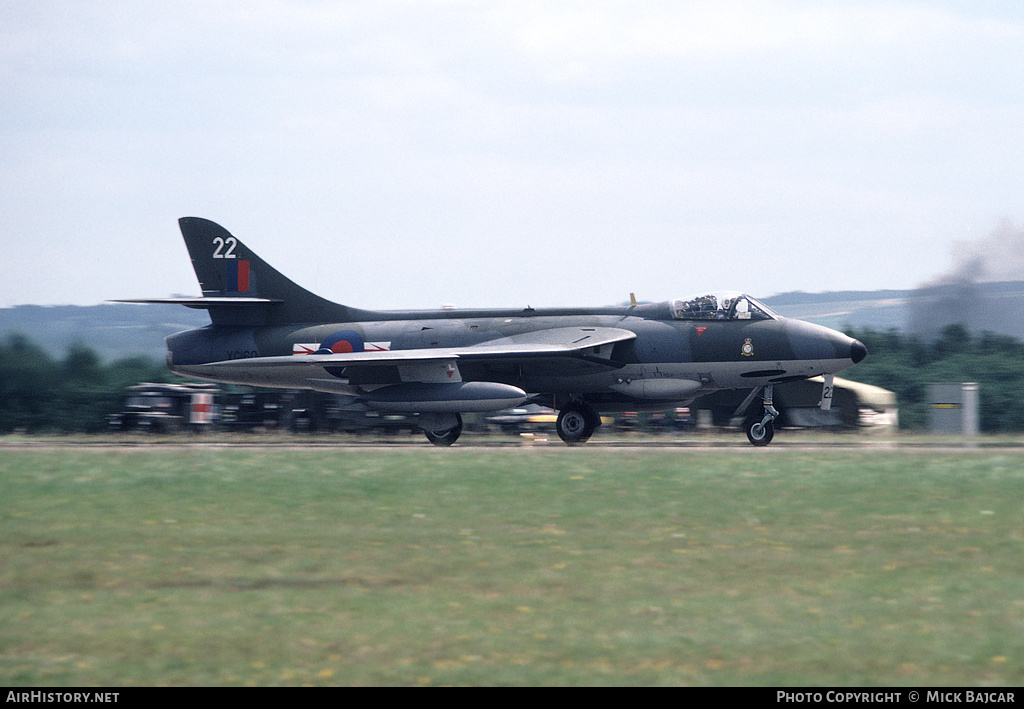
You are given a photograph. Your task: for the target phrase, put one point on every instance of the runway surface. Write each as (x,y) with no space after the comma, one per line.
(798,441)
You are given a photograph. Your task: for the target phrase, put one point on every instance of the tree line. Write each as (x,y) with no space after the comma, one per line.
(76,392)
(907,364)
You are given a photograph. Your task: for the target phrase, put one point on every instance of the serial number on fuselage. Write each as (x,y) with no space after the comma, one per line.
(242,354)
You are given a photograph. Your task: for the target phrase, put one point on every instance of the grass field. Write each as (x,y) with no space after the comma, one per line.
(422,566)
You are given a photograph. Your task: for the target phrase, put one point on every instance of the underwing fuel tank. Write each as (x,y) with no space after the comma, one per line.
(665,389)
(445,397)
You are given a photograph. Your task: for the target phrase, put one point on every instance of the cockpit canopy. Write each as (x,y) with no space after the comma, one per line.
(725,305)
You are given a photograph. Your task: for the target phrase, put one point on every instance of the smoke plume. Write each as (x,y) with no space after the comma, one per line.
(983,291)
(996,257)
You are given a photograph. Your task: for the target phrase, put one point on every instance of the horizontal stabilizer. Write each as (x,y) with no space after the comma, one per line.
(239,287)
(202,303)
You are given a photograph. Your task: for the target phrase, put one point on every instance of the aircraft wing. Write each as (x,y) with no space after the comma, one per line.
(581,343)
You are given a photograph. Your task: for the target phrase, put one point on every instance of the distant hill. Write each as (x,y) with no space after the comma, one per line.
(993,307)
(881,310)
(113,330)
(116,330)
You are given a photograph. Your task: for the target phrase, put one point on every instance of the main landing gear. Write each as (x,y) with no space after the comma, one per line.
(576,422)
(441,429)
(759,425)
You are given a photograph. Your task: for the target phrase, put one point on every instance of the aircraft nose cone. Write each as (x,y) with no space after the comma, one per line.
(858,351)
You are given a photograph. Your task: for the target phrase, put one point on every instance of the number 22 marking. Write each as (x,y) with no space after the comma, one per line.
(220,243)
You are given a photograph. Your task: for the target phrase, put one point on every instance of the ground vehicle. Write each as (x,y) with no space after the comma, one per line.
(166,408)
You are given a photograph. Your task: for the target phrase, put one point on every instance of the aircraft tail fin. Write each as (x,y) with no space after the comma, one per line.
(240,288)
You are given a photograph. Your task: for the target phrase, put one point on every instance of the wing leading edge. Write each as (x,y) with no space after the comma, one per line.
(573,342)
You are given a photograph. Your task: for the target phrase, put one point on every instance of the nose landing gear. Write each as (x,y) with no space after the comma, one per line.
(760,424)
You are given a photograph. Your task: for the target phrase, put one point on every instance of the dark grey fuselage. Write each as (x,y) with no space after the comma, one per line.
(267,331)
(668,361)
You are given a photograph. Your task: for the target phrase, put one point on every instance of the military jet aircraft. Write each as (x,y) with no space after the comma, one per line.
(267,331)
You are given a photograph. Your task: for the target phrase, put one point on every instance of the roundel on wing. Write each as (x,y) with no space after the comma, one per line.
(341,342)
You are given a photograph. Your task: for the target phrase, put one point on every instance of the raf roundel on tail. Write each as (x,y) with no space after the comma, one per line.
(267,331)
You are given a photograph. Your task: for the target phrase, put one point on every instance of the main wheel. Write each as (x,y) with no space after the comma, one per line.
(445,437)
(576,423)
(757,433)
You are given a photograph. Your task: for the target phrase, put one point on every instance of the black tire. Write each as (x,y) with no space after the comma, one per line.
(757,434)
(447,437)
(576,423)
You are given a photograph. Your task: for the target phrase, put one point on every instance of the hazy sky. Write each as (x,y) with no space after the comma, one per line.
(412,154)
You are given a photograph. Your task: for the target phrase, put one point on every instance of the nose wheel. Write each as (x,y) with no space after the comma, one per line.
(759,433)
